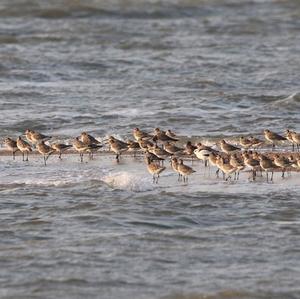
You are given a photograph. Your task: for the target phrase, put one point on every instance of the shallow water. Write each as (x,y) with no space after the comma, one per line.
(97,229)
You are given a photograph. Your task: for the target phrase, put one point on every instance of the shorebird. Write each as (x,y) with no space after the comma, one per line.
(202,146)
(184,170)
(140,135)
(267,165)
(174,165)
(226,168)
(252,163)
(202,152)
(36,137)
(202,155)
(228,148)
(144,144)
(158,151)
(171,134)
(256,142)
(189,148)
(162,136)
(171,148)
(88,139)
(28,135)
(118,141)
(237,164)
(289,137)
(133,147)
(273,137)
(24,147)
(11,145)
(294,162)
(296,139)
(154,169)
(152,157)
(60,148)
(117,147)
(92,142)
(44,150)
(212,159)
(245,142)
(80,147)
(282,162)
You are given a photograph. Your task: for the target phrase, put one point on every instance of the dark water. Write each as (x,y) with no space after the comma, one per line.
(100,230)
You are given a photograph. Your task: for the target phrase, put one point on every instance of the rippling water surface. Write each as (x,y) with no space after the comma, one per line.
(101,230)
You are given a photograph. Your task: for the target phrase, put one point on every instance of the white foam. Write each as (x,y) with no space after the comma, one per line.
(291,99)
(127,181)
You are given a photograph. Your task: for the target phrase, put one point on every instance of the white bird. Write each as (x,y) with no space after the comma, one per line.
(202,154)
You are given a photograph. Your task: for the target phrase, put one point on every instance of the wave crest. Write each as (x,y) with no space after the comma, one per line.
(127,181)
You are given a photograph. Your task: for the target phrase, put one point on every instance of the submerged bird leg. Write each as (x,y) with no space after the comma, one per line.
(27,157)
(59,157)
(272,176)
(217,172)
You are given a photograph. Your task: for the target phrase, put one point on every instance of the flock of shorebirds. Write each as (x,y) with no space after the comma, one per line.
(229,159)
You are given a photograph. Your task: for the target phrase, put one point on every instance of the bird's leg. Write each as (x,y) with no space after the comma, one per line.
(253,174)
(272,176)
